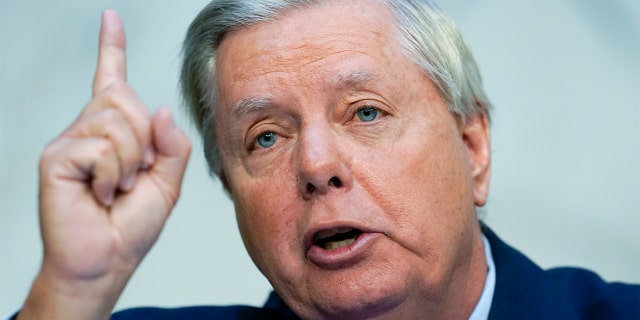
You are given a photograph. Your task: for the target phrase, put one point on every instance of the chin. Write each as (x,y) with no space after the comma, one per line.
(367,293)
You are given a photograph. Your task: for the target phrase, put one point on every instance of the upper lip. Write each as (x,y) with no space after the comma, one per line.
(326,228)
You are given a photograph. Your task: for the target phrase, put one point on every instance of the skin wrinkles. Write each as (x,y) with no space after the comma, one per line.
(290,58)
(406,175)
(248,106)
(359,91)
(287,57)
(396,198)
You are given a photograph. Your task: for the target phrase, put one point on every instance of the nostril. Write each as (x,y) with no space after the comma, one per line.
(335,181)
(310,188)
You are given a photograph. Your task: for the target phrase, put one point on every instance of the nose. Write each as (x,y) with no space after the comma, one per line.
(321,164)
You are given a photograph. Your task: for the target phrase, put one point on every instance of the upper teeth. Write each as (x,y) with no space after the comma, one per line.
(331,232)
(336,238)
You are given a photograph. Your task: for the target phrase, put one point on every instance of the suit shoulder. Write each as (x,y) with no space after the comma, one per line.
(594,298)
(197,312)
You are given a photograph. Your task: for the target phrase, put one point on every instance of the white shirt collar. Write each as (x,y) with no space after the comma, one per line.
(481,311)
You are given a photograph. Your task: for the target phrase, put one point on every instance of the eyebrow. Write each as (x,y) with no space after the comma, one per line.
(250,105)
(354,80)
(344,81)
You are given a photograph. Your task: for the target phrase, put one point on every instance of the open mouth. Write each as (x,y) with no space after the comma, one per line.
(336,238)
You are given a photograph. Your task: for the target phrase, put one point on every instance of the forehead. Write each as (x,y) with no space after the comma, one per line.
(301,40)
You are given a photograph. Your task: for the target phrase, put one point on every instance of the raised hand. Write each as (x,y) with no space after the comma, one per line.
(107,186)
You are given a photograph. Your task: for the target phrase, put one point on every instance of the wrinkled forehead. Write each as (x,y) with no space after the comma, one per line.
(305,37)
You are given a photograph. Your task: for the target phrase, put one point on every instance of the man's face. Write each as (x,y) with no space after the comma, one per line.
(354,187)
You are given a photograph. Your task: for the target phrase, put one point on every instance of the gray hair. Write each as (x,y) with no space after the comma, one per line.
(428,36)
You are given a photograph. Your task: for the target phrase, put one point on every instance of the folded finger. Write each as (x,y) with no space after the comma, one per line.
(111,124)
(91,161)
(122,97)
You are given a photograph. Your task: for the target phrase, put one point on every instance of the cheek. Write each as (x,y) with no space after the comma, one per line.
(437,182)
(266,211)
(422,182)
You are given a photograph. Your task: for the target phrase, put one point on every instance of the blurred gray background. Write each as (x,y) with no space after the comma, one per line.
(564,77)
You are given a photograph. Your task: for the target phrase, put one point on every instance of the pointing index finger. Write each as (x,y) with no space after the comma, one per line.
(111,52)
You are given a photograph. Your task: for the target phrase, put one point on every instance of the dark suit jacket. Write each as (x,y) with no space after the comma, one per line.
(523,291)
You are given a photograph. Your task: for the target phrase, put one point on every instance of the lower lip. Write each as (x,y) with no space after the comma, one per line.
(343,256)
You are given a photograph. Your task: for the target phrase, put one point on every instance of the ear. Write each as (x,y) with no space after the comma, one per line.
(475,134)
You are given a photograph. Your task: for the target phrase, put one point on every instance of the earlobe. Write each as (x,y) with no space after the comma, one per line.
(476,136)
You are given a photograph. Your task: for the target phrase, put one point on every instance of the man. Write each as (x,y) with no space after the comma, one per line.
(353,139)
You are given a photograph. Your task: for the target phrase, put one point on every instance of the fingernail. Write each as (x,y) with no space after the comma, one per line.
(128,183)
(108,199)
(149,157)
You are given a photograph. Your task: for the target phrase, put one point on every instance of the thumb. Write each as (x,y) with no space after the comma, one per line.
(172,152)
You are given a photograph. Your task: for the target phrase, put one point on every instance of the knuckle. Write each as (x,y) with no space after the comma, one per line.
(111,116)
(131,161)
(115,91)
(118,86)
(110,89)
(48,155)
(104,148)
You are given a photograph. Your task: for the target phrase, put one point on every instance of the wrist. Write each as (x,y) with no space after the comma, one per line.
(55,297)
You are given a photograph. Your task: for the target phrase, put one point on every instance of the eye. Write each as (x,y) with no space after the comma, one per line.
(267,139)
(367,114)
